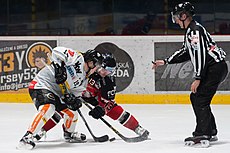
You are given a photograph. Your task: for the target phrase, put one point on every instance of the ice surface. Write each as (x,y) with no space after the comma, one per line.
(168,126)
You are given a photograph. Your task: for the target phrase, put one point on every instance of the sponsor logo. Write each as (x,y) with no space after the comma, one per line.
(20,61)
(37,54)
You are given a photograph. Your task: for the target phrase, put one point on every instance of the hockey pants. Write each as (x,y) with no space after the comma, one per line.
(201,100)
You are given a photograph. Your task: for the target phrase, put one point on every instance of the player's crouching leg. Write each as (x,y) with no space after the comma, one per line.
(128,121)
(44,114)
(70,121)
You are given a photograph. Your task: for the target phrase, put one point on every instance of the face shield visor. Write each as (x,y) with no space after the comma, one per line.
(110,71)
(174,17)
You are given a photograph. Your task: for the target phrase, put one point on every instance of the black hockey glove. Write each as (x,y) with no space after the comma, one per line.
(90,100)
(60,72)
(72,102)
(97,112)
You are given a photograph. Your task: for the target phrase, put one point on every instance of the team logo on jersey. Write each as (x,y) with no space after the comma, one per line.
(37,55)
(194,39)
(111,93)
(77,67)
(71,72)
(50,96)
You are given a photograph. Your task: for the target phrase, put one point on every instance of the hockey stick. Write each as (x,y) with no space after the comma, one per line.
(96,139)
(126,139)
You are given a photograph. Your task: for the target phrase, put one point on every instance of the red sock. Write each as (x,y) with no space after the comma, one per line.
(53,121)
(131,123)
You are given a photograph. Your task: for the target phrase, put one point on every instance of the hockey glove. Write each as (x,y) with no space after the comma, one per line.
(60,72)
(72,102)
(97,112)
(90,100)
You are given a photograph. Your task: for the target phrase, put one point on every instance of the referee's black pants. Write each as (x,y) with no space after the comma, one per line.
(201,100)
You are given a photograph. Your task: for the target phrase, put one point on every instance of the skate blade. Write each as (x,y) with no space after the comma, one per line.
(205,143)
(202,144)
(189,143)
(24,146)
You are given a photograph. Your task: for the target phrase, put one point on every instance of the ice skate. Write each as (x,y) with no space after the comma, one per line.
(198,141)
(142,132)
(26,142)
(40,135)
(75,137)
(214,138)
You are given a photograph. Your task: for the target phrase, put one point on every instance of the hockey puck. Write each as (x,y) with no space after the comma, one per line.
(112,139)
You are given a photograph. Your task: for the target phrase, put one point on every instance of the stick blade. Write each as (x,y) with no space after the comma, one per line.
(103,138)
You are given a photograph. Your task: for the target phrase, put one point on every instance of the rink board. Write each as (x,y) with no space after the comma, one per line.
(130,98)
(136,82)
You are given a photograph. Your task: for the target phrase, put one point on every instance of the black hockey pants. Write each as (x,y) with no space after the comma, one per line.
(201,100)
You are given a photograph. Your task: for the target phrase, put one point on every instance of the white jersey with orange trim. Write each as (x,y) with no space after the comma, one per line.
(76,76)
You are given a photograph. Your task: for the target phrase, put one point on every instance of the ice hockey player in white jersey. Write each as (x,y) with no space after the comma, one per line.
(67,66)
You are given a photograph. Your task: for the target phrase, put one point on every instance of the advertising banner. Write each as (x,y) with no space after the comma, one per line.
(179,77)
(133,56)
(20,61)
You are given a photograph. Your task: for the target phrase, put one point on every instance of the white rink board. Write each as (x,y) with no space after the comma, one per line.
(139,48)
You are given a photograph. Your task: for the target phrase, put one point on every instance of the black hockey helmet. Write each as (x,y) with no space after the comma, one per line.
(108,60)
(108,63)
(93,55)
(185,7)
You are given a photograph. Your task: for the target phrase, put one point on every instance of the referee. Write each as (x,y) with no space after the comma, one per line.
(210,70)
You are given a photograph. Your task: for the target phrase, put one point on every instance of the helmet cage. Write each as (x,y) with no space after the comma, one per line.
(108,64)
(174,17)
(110,71)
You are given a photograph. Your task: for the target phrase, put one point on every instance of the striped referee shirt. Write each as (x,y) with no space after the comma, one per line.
(198,47)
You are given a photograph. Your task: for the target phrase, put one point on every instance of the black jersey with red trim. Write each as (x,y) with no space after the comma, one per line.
(106,86)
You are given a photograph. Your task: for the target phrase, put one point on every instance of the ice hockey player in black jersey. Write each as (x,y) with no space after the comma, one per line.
(210,70)
(101,90)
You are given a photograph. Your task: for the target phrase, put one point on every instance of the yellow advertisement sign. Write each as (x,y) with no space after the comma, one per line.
(20,61)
